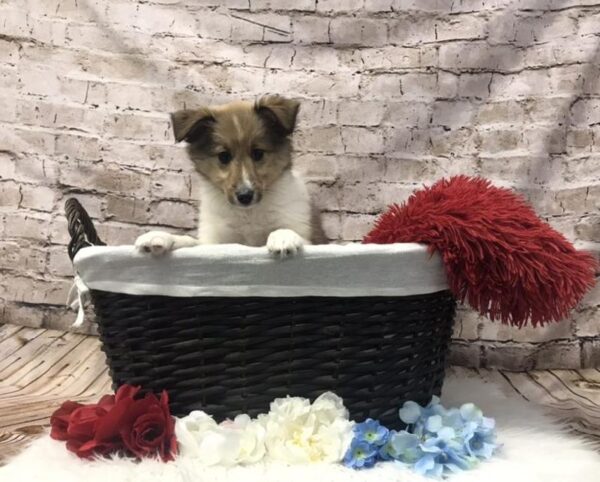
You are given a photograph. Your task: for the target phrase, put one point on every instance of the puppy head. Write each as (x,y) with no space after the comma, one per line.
(241,147)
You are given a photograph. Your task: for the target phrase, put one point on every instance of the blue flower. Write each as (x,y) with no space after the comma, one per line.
(371,432)
(442,440)
(411,412)
(481,443)
(437,442)
(479,433)
(452,418)
(428,467)
(443,454)
(471,413)
(403,447)
(360,455)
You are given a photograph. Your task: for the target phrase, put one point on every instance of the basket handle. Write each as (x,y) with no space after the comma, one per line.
(81,228)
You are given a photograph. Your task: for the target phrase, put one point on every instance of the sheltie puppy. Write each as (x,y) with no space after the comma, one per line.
(248,191)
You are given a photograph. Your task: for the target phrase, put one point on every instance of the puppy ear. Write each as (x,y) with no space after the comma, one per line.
(193,125)
(278,113)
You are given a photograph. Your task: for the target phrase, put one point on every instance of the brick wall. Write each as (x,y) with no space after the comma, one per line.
(395,93)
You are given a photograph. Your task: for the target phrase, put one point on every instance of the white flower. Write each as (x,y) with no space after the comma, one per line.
(294,431)
(188,430)
(334,440)
(199,437)
(227,444)
(290,408)
(251,440)
(329,408)
(297,432)
(219,447)
(198,421)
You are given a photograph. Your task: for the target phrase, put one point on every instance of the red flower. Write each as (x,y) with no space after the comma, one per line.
(145,426)
(142,427)
(148,427)
(60,420)
(82,429)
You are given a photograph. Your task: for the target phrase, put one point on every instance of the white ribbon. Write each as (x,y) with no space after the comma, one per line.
(77,299)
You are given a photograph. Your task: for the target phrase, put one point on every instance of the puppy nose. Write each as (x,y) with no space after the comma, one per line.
(244,196)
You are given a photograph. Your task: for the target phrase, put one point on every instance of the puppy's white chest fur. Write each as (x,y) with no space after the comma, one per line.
(285,205)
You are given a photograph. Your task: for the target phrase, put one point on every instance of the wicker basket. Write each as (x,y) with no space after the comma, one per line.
(234,354)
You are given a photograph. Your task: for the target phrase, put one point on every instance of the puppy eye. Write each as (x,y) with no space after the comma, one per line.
(257,154)
(224,157)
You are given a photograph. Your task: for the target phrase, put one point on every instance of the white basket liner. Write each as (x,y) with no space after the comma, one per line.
(235,270)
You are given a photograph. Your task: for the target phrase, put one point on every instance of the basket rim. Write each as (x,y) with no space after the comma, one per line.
(240,251)
(351,270)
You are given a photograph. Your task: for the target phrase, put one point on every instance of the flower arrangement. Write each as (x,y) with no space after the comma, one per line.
(436,442)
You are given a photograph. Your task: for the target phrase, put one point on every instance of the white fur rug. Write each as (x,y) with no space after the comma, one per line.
(535,449)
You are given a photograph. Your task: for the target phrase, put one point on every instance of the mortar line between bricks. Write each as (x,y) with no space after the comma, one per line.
(268,27)
(560,9)
(330,45)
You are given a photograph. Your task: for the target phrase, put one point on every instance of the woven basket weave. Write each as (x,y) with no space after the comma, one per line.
(228,356)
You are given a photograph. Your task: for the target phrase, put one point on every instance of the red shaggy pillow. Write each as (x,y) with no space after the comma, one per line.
(499,256)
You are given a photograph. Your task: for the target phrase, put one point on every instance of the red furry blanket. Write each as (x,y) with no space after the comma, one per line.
(499,256)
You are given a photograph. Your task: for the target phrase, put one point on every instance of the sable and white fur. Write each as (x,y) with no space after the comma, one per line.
(248,191)
(286,204)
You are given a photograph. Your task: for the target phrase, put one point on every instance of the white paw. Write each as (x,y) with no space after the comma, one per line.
(155,242)
(284,242)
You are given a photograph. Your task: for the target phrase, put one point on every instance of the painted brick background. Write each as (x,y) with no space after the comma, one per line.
(396,93)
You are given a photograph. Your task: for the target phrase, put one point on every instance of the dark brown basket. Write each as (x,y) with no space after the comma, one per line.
(228,356)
